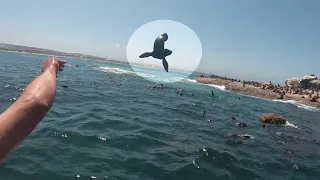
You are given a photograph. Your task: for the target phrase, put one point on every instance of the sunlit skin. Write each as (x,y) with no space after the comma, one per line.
(18,121)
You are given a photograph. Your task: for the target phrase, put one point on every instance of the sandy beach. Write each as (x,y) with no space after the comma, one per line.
(261,90)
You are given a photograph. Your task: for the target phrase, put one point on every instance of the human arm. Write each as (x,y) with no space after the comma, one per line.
(18,121)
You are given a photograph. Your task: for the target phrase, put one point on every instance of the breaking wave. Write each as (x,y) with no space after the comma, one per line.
(291,125)
(222,88)
(298,104)
(217,86)
(191,80)
(114,70)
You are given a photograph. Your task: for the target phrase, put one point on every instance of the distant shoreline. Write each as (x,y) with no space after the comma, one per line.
(248,88)
(43,54)
(46,52)
(111,61)
(259,91)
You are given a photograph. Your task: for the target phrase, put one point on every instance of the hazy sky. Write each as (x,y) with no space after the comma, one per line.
(258,40)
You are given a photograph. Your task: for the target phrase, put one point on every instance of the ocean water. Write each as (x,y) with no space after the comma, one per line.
(110,124)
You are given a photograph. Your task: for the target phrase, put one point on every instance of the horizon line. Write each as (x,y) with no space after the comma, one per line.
(107,59)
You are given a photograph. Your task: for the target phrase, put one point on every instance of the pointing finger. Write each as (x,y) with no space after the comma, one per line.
(62,62)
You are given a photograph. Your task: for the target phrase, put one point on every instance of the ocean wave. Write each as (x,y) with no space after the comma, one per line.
(222,88)
(114,70)
(147,75)
(293,102)
(191,80)
(146,66)
(299,105)
(160,78)
(291,125)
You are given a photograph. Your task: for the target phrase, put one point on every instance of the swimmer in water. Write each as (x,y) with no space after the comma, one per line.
(158,50)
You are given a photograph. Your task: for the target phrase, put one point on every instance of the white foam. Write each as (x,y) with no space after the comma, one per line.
(146,66)
(291,125)
(102,138)
(192,80)
(222,88)
(299,105)
(310,108)
(159,77)
(279,133)
(150,75)
(195,164)
(13,99)
(114,70)
(285,101)
(204,150)
(244,135)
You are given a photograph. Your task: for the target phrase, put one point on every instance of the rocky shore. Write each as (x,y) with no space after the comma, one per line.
(304,90)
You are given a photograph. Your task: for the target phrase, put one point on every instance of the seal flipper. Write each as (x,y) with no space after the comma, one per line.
(144,55)
(165,64)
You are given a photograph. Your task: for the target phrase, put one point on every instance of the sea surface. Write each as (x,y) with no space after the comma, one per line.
(111,124)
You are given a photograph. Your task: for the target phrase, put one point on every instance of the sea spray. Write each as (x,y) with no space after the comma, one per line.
(114,70)
(299,105)
(291,125)
(222,88)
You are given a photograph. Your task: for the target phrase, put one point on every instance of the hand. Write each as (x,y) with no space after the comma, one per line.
(53,64)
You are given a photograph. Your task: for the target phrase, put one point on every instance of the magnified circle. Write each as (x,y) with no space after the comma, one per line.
(182,41)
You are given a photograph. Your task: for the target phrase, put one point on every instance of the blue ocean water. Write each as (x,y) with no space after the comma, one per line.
(111,124)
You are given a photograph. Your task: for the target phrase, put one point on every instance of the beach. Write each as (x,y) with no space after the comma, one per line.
(257,90)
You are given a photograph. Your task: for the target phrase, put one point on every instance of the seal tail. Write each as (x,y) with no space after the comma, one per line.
(165,64)
(144,55)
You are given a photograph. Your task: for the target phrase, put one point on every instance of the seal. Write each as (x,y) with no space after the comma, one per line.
(212,93)
(158,50)
(241,124)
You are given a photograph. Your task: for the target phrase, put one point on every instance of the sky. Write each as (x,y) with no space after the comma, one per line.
(182,41)
(248,39)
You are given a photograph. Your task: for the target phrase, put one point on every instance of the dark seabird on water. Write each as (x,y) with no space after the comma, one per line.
(158,50)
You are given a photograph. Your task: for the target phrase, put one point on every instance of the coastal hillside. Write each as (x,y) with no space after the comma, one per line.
(26,49)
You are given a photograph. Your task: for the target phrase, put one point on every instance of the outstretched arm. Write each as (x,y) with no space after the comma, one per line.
(18,121)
